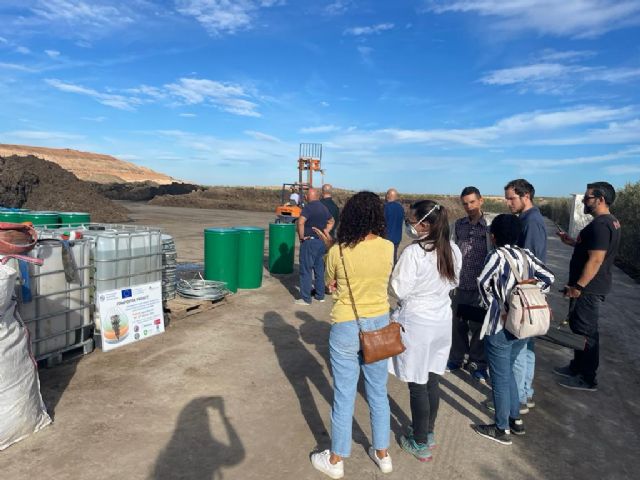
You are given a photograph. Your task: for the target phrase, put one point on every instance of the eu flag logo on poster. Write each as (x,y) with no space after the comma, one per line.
(126,293)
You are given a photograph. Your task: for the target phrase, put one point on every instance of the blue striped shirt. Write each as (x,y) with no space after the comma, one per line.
(496,282)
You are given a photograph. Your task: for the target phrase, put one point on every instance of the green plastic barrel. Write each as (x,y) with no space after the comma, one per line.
(50,219)
(221,256)
(10,216)
(250,257)
(74,219)
(282,247)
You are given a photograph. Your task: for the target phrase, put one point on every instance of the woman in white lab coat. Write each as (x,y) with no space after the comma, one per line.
(426,272)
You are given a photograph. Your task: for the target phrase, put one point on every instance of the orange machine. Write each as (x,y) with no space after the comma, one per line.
(309,161)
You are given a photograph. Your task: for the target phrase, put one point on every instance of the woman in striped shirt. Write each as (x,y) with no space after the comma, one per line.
(495,283)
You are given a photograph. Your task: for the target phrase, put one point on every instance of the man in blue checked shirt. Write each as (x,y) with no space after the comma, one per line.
(471,234)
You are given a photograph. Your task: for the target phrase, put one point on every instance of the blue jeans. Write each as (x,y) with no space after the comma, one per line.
(502,349)
(346,362)
(312,263)
(523,369)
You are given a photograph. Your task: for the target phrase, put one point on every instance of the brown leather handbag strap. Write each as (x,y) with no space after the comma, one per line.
(346,276)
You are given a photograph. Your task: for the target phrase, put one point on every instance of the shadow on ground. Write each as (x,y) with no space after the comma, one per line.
(54,382)
(196,451)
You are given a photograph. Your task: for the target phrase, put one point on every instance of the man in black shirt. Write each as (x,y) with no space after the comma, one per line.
(589,282)
(328,202)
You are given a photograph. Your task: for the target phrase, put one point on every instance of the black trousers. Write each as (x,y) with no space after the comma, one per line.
(424,399)
(583,320)
(467,319)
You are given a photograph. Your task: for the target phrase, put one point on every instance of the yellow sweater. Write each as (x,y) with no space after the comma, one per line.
(369,266)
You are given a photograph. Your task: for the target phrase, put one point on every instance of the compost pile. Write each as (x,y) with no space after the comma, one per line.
(30,182)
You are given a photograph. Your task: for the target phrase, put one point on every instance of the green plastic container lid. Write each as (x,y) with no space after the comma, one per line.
(220,230)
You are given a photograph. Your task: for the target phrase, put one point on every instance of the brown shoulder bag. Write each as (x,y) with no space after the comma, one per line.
(375,344)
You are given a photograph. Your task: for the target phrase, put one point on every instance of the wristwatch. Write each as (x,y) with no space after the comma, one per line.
(578,287)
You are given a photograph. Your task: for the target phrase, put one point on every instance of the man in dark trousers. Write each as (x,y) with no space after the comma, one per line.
(519,195)
(312,249)
(471,234)
(589,282)
(394,220)
(328,202)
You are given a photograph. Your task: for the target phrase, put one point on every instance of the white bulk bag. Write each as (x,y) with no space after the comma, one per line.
(22,411)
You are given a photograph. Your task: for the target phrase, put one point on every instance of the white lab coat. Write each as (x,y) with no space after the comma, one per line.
(424,312)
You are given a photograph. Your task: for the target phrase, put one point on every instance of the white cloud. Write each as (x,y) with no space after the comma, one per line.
(320,129)
(188,115)
(220,17)
(532,164)
(262,136)
(17,67)
(551,55)
(623,169)
(557,78)
(186,91)
(38,135)
(614,133)
(338,7)
(120,102)
(84,14)
(371,30)
(516,129)
(52,53)
(23,50)
(575,18)
(228,97)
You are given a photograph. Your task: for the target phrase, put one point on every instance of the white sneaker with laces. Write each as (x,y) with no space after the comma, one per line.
(320,462)
(384,464)
(300,301)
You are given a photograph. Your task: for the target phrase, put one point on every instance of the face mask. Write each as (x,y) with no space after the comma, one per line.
(410,229)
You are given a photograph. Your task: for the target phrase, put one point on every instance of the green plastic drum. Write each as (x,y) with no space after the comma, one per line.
(221,256)
(250,257)
(282,247)
(50,219)
(74,219)
(10,216)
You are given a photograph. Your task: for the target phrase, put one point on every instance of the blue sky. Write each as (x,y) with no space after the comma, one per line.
(425,96)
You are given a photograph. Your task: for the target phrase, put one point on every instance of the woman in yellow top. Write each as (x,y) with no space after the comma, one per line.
(368,259)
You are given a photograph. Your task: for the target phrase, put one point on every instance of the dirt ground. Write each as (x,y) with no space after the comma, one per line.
(244,392)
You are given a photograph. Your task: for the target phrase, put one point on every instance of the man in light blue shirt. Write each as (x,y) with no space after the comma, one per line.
(519,195)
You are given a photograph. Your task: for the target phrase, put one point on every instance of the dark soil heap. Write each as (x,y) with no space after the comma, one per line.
(30,182)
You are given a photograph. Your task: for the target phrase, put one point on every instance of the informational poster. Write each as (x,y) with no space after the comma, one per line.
(578,219)
(131,314)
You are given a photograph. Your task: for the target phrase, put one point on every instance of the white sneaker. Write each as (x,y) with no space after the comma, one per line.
(384,464)
(320,461)
(300,301)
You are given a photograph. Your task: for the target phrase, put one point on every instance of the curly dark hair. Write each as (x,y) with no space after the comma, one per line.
(361,215)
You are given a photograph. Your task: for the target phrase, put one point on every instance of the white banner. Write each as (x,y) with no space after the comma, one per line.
(130,314)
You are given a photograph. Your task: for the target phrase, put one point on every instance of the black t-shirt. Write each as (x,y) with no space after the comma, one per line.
(333,210)
(316,215)
(603,233)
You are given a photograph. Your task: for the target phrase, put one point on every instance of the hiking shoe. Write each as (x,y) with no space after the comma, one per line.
(453,366)
(384,464)
(320,461)
(492,408)
(530,403)
(578,383)
(431,437)
(492,432)
(431,440)
(516,426)
(564,371)
(300,301)
(419,450)
(481,375)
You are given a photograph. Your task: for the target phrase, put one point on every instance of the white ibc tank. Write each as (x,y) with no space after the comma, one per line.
(58,312)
